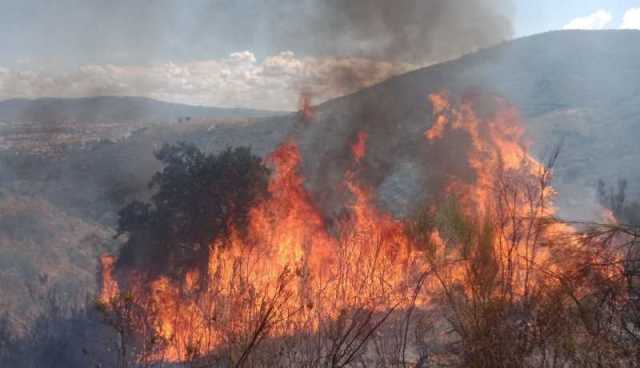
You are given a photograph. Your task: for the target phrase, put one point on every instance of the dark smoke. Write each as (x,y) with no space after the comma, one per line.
(411,32)
(408,31)
(402,32)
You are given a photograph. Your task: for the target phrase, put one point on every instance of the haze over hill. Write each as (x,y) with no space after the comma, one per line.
(105,109)
(578,88)
(50,125)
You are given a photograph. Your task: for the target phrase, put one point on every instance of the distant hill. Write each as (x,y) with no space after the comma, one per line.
(113,109)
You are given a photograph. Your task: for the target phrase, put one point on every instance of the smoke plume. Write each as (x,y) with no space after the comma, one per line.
(399,32)
(408,31)
(416,32)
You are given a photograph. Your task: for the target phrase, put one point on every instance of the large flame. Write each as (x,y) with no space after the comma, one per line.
(291,272)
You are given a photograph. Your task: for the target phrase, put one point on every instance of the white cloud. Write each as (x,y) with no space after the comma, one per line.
(631,19)
(599,19)
(238,80)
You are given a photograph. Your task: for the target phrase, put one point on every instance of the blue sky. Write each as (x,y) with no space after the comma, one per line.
(535,16)
(258,53)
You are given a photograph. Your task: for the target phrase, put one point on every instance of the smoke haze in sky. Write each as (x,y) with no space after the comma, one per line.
(186,51)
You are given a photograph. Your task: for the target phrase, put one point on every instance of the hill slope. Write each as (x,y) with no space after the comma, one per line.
(581,88)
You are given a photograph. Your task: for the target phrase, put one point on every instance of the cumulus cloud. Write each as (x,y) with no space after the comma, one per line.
(237,80)
(631,19)
(599,19)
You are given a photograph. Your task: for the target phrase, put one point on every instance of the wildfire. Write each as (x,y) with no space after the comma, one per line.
(305,108)
(290,271)
(511,191)
(109,286)
(497,147)
(359,148)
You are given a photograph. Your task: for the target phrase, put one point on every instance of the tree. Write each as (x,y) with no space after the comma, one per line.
(197,198)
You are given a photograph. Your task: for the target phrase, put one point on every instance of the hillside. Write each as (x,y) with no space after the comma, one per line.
(580,89)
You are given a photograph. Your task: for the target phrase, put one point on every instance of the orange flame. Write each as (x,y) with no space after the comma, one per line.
(359,148)
(292,267)
(305,107)
(109,286)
